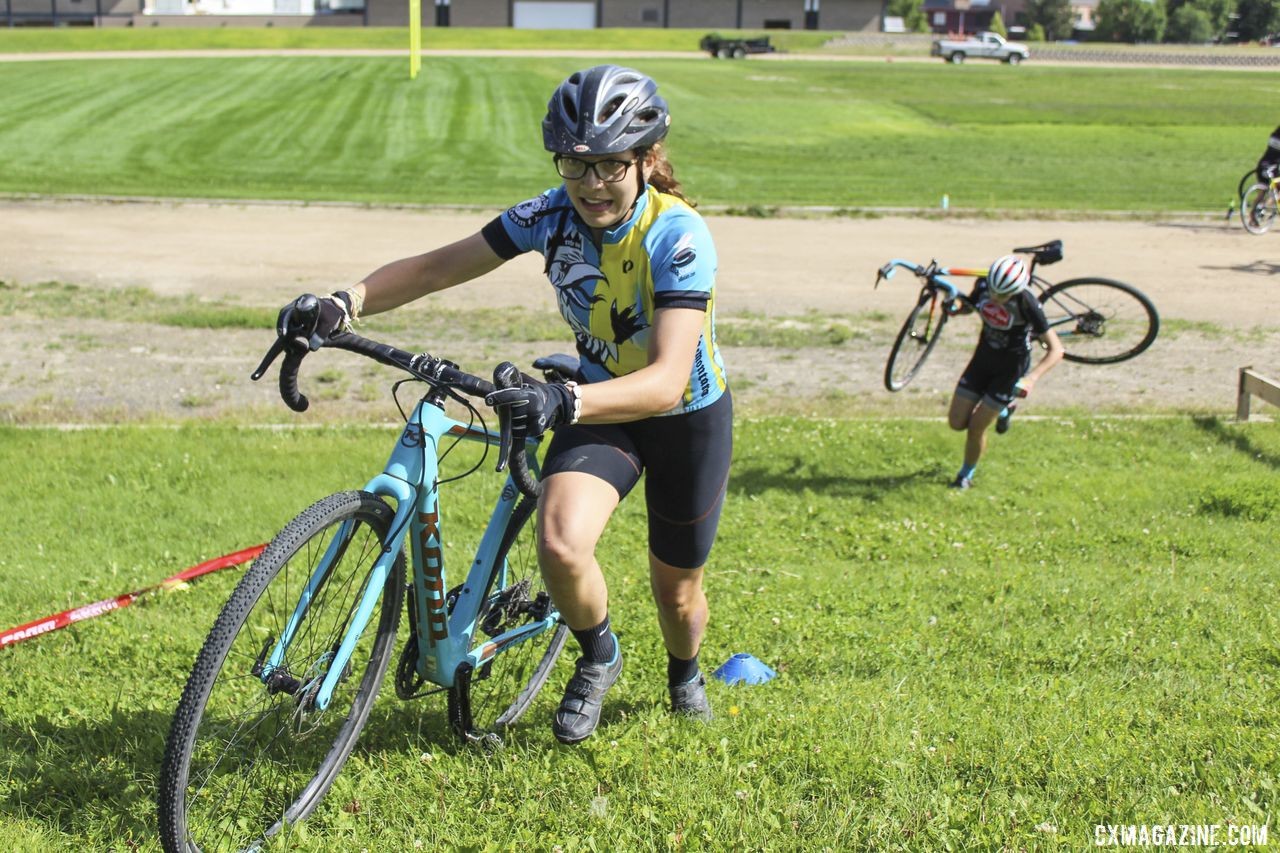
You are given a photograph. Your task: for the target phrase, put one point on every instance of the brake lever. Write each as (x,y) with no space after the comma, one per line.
(883,274)
(505,375)
(272,354)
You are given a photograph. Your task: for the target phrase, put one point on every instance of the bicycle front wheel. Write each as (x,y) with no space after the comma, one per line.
(1100,321)
(917,338)
(250,751)
(502,688)
(1258,209)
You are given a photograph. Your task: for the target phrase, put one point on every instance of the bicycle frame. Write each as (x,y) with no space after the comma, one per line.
(935,276)
(936,279)
(411,478)
(1069,308)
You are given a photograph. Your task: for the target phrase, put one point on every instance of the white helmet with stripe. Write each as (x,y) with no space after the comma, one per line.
(1008,275)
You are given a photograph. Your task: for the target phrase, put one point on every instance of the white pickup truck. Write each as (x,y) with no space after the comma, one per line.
(984,45)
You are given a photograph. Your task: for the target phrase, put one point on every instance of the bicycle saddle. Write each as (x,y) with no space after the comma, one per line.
(558,367)
(1045,253)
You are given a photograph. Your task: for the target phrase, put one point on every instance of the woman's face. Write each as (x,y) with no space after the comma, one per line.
(602,187)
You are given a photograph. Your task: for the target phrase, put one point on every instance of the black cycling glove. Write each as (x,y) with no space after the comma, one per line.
(535,407)
(313,320)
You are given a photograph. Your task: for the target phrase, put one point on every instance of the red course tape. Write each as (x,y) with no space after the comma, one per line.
(39,627)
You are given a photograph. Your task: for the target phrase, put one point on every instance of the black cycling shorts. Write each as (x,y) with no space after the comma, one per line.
(685,459)
(991,374)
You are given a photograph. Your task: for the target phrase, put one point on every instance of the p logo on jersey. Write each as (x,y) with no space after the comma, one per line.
(996,315)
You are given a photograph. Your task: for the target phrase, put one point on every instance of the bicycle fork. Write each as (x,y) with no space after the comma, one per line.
(272,671)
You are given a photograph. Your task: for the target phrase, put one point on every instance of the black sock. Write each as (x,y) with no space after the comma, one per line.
(598,645)
(681,671)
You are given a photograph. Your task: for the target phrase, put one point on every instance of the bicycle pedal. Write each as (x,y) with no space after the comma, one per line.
(488,741)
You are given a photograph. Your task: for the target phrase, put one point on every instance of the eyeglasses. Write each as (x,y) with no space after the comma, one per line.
(608,171)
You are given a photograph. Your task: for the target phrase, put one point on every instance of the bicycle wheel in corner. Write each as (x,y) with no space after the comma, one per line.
(917,338)
(502,688)
(1258,209)
(1100,321)
(250,752)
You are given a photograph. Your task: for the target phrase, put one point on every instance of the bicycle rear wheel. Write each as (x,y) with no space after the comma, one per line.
(249,752)
(502,689)
(1258,209)
(917,338)
(1100,321)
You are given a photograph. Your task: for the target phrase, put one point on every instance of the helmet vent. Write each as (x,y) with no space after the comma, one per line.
(607,109)
(610,107)
(570,108)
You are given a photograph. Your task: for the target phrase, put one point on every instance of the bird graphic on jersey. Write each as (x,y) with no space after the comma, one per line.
(576,280)
(609,285)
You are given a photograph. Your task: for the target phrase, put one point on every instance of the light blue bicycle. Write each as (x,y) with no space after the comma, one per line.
(291,668)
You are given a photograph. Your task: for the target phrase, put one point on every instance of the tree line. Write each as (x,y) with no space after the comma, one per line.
(1134,21)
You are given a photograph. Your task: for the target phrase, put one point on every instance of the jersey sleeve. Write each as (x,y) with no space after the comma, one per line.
(519,229)
(1035,314)
(682,259)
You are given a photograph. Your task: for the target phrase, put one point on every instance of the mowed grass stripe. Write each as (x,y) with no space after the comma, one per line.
(763,134)
(35,40)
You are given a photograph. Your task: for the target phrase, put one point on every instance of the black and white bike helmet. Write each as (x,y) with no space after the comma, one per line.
(607,109)
(1008,275)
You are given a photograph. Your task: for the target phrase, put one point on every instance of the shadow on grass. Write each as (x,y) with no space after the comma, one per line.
(1223,434)
(1258,267)
(74,774)
(797,475)
(81,777)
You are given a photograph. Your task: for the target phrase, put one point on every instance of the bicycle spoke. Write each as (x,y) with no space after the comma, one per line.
(260,750)
(1100,321)
(503,688)
(915,341)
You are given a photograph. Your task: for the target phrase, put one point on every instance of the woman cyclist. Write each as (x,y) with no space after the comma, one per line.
(997,373)
(633,269)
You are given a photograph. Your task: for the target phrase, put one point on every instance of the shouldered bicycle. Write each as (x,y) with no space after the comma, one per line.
(1099,320)
(287,676)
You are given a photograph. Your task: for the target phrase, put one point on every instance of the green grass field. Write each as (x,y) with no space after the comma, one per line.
(1091,642)
(1089,637)
(747,135)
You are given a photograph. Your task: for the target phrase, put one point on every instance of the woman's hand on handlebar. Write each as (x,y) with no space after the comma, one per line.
(312,320)
(535,407)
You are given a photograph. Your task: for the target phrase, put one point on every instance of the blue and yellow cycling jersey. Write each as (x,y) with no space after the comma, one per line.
(661,257)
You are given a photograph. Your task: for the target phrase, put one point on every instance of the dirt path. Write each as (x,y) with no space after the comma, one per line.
(1214,286)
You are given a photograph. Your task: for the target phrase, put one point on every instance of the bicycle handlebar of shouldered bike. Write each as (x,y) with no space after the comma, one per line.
(436,372)
(932,273)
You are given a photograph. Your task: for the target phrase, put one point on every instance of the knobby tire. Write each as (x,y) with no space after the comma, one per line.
(213,798)
(1100,321)
(915,341)
(1258,209)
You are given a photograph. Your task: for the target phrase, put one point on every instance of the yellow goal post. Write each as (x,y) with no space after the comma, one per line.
(415,38)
